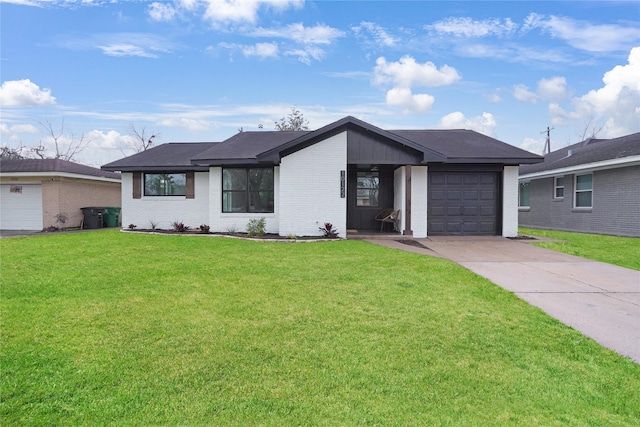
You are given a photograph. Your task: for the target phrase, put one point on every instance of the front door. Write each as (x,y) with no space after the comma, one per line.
(370,190)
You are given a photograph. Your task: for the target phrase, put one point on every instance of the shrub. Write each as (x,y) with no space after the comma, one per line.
(132,226)
(180,227)
(328,231)
(256,227)
(204,228)
(153,224)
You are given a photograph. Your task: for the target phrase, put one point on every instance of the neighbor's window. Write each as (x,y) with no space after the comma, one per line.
(584,191)
(247,190)
(165,184)
(367,188)
(524,194)
(558,187)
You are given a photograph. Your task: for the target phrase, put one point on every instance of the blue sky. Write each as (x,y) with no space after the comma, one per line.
(198,70)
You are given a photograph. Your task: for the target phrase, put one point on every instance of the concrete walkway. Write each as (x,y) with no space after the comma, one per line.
(600,300)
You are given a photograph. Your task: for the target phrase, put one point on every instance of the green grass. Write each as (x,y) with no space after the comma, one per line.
(622,251)
(110,328)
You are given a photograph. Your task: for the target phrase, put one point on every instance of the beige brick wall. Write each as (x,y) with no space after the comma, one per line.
(66,196)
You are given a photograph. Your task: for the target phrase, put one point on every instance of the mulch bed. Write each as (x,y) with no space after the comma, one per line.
(267,236)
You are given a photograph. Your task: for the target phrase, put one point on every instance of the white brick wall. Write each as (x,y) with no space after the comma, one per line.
(310,188)
(226,222)
(510,201)
(419,201)
(164,210)
(418,198)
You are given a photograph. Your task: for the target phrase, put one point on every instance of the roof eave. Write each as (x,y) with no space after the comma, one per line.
(58,174)
(156,168)
(585,167)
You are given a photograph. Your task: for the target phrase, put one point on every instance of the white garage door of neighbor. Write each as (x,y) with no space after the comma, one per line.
(21,207)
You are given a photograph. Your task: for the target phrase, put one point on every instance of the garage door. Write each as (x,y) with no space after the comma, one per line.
(463,203)
(21,207)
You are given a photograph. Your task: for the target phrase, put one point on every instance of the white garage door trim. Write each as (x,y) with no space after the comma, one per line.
(21,207)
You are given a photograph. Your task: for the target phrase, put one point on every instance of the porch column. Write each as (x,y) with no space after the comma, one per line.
(407,193)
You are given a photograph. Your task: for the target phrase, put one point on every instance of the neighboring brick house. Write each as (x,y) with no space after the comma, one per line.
(592,186)
(455,182)
(38,193)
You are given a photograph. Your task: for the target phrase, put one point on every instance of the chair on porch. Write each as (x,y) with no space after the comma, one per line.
(388,216)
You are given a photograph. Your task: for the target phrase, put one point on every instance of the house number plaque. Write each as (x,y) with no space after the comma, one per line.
(343,184)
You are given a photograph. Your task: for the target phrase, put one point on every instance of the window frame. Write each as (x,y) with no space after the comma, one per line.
(576,191)
(249,192)
(183,193)
(373,189)
(557,186)
(528,186)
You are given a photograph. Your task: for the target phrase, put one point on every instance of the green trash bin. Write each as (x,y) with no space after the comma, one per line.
(111,216)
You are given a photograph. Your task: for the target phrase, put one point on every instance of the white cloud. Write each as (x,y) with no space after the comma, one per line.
(407,73)
(522,93)
(553,89)
(617,103)
(306,54)
(24,93)
(145,45)
(404,98)
(187,123)
(468,27)
(585,35)
(161,12)
(126,49)
(260,50)
(109,140)
(485,124)
(238,11)
(319,34)
(533,145)
(19,128)
(379,34)
(494,97)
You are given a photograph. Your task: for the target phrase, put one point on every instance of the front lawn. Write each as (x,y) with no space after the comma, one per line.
(111,328)
(622,251)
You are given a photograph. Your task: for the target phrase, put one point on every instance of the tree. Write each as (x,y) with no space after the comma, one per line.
(11,153)
(67,146)
(141,140)
(294,121)
(591,128)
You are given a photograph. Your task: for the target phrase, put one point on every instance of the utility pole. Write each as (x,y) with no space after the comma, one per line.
(547,144)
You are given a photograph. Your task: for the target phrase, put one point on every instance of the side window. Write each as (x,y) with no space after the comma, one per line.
(583,191)
(524,195)
(558,187)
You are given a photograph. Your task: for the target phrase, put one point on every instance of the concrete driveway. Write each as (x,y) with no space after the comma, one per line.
(600,300)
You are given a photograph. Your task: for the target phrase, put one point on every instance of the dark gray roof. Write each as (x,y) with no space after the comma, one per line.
(164,157)
(268,147)
(467,146)
(53,165)
(246,146)
(590,151)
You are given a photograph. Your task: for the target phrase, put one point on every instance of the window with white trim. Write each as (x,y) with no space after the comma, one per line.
(583,191)
(558,187)
(524,194)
